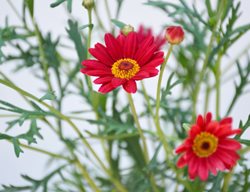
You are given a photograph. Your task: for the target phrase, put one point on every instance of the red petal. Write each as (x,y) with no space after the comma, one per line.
(227,132)
(227,120)
(95,72)
(130,86)
(212,166)
(100,53)
(193,167)
(94,64)
(142,47)
(105,88)
(203,169)
(117,81)
(208,117)
(195,129)
(212,127)
(130,45)
(113,47)
(181,162)
(200,121)
(230,144)
(103,80)
(141,75)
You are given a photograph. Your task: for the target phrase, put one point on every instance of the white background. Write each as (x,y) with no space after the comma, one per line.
(55,21)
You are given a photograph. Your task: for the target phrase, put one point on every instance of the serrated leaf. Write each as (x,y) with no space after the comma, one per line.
(49,96)
(75,36)
(17,147)
(118,23)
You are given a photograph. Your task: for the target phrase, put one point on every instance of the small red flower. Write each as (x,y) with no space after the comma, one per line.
(123,61)
(144,32)
(208,147)
(174,35)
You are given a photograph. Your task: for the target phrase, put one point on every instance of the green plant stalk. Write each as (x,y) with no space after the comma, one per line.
(139,128)
(89,83)
(207,98)
(144,143)
(87,176)
(75,128)
(147,99)
(217,86)
(42,55)
(205,63)
(226,182)
(14,9)
(108,13)
(54,155)
(160,133)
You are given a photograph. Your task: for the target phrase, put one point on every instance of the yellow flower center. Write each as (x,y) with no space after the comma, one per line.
(205,144)
(125,68)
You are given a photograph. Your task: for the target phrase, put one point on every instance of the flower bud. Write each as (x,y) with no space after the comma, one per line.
(127,29)
(174,35)
(88,4)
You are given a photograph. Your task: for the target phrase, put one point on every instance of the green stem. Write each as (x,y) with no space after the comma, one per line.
(57,156)
(160,133)
(14,9)
(205,63)
(75,128)
(144,143)
(89,44)
(140,131)
(147,99)
(217,86)
(227,179)
(87,177)
(42,55)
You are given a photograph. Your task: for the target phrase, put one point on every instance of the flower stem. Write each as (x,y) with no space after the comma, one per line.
(160,133)
(140,131)
(144,143)
(227,179)
(217,86)
(89,44)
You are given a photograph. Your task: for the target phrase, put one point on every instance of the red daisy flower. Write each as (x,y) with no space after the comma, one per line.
(208,147)
(143,32)
(123,61)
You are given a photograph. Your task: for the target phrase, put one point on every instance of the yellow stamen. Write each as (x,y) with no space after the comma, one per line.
(125,68)
(205,144)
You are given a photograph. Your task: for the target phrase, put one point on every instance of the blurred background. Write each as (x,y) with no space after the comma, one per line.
(54,20)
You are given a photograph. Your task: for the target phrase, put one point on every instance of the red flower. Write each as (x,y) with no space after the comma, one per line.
(174,35)
(123,61)
(144,32)
(208,147)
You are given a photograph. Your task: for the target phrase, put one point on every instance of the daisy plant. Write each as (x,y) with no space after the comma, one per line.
(114,106)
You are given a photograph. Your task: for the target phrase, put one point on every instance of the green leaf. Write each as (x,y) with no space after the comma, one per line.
(118,23)
(49,96)
(75,36)
(245,142)
(55,4)
(186,126)
(17,147)
(98,100)
(30,5)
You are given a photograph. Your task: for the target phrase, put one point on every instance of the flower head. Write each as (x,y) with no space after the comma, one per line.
(208,148)
(144,32)
(122,61)
(174,35)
